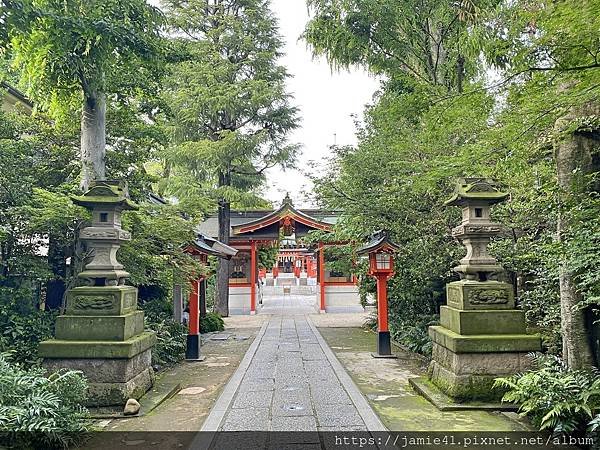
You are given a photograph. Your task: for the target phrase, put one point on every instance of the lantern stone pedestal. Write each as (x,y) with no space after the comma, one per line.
(481,335)
(102,332)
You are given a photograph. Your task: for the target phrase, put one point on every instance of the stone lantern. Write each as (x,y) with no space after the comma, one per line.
(102,331)
(481,335)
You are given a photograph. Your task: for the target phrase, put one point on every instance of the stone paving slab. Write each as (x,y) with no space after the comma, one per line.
(291,385)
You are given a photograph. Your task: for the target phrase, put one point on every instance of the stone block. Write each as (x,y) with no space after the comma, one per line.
(483,343)
(111,394)
(104,370)
(469,322)
(464,387)
(55,348)
(101,301)
(496,364)
(480,295)
(100,328)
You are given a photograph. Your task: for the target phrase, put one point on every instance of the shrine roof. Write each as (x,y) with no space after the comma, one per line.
(248,221)
(212,247)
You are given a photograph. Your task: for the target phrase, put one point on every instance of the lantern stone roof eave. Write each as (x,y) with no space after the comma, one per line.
(380,240)
(111,193)
(469,190)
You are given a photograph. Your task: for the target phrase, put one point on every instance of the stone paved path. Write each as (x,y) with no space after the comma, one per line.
(294,383)
(290,385)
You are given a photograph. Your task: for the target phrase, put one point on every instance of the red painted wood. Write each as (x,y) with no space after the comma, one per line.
(382,304)
(193,300)
(322,274)
(253,276)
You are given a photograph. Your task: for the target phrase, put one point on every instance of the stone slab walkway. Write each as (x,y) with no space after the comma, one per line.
(291,381)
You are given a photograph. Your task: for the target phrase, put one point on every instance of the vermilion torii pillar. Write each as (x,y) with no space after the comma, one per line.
(381,267)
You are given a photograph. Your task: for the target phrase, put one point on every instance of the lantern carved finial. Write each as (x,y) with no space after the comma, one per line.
(476,196)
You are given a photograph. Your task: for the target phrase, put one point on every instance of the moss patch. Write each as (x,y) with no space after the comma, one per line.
(385,384)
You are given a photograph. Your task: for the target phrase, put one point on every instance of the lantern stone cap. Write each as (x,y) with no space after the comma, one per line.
(473,189)
(106,193)
(380,241)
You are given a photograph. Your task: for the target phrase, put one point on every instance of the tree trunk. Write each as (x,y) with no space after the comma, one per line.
(573,153)
(460,73)
(223,271)
(93,139)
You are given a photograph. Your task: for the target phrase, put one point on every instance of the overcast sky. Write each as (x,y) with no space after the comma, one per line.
(326,100)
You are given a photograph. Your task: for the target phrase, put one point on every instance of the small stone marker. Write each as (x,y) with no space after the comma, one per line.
(216,364)
(220,337)
(132,407)
(194,390)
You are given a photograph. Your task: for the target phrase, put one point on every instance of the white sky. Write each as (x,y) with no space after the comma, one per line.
(326,101)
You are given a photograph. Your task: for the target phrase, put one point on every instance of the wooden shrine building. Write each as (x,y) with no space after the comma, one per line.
(299,269)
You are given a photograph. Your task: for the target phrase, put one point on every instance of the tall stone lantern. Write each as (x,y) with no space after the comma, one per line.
(102,331)
(481,335)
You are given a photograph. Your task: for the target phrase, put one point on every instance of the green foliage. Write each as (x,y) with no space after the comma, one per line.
(408,39)
(38,411)
(267,257)
(229,110)
(155,255)
(23,326)
(426,128)
(413,334)
(170,340)
(554,397)
(65,48)
(211,322)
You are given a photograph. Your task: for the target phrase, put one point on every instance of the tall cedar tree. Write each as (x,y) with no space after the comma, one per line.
(80,51)
(230,109)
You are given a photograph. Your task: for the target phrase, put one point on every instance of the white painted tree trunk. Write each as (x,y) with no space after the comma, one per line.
(93,139)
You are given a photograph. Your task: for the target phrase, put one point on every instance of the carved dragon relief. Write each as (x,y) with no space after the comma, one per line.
(94,302)
(488,296)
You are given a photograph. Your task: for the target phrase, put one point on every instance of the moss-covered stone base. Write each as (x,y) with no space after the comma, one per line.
(103,370)
(484,343)
(113,394)
(463,387)
(111,381)
(470,376)
(56,348)
(100,328)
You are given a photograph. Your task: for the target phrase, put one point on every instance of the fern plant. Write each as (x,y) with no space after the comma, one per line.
(38,411)
(170,341)
(554,397)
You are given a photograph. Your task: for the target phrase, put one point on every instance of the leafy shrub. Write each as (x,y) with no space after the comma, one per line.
(170,340)
(414,334)
(171,335)
(212,322)
(23,326)
(38,411)
(554,397)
